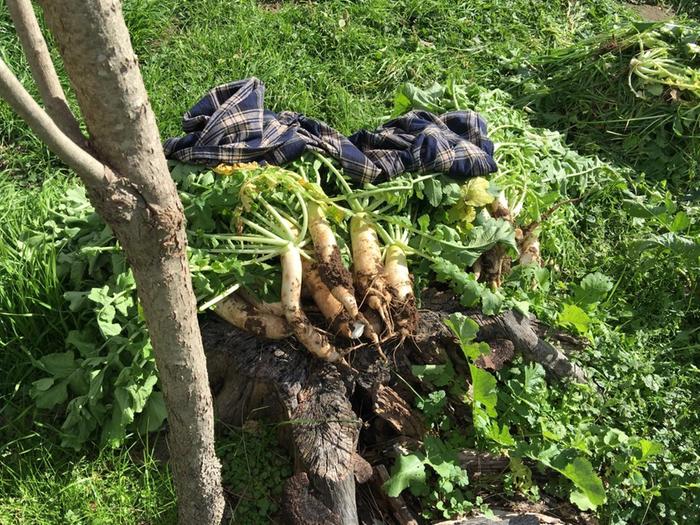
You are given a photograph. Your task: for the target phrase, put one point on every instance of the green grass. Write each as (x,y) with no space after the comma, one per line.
(33,317)
(340,61)
(41,484)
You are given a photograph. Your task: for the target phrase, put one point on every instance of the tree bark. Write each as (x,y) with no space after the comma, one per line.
(129,184)
(42,68)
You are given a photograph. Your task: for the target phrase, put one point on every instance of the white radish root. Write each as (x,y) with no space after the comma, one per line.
(330,307)
(397,275)
(261,306)
(398,278)
(315,341)
(330,266)
(367,263)
(529,247)
(244,316)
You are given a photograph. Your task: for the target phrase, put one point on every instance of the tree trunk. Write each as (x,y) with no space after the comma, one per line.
(129,185)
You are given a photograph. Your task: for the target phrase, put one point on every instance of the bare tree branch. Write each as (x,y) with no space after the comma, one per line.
(92,171)
(42,68)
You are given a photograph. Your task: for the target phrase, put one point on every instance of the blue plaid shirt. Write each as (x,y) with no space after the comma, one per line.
(230,125)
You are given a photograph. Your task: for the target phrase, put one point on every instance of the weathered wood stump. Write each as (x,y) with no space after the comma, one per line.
(329,409)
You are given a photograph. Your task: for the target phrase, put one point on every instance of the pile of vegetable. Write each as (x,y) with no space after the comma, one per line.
(632,93)
(263,239)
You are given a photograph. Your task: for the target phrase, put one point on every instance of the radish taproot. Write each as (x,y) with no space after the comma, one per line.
(403,301)
(267,227)
(337,278)
(314,341)
(370,280)
(246,317)
(333,311)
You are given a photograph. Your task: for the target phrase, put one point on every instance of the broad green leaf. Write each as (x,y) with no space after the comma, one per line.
(123,303)
(114,431)
(680,222)
(590,493)
(49,397)
(444,461)
(681,245)
(76,300)
(437,375)
(615,437)
(500,435)
(96,379)
(100,295)
(153,414)
(79,381)
(649,448)
(491,302)
(490,232)
(433,191)
(581,500)
(84,343)
(124,405)
(42,385)
(140,393)
(470,292)
(484,389)
(408,471)
(573,316)
(639,209)
(463,327)
(593,289)
(104,321)
(60,365)
(412,97)
(466,329)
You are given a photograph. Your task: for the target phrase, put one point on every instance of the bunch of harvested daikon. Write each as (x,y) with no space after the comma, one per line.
(303,231)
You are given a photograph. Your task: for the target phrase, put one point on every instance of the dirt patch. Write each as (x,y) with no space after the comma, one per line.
(333,272)
(652,13)
(270,5)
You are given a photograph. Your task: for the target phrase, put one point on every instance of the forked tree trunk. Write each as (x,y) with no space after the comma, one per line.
(43,71)
(128,182)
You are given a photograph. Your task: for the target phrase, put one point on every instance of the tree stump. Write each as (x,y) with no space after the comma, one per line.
(330,409)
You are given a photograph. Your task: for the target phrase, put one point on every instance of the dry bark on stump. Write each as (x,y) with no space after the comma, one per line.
(330,408)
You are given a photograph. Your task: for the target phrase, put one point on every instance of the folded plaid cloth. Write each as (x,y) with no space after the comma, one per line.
(230,125)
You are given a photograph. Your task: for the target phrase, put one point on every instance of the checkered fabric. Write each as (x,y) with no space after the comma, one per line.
(230,125)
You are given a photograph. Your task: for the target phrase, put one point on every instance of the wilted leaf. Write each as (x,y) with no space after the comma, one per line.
(475,192)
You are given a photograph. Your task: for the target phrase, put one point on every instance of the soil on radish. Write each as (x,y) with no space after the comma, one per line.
(405,315)
(333,272)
